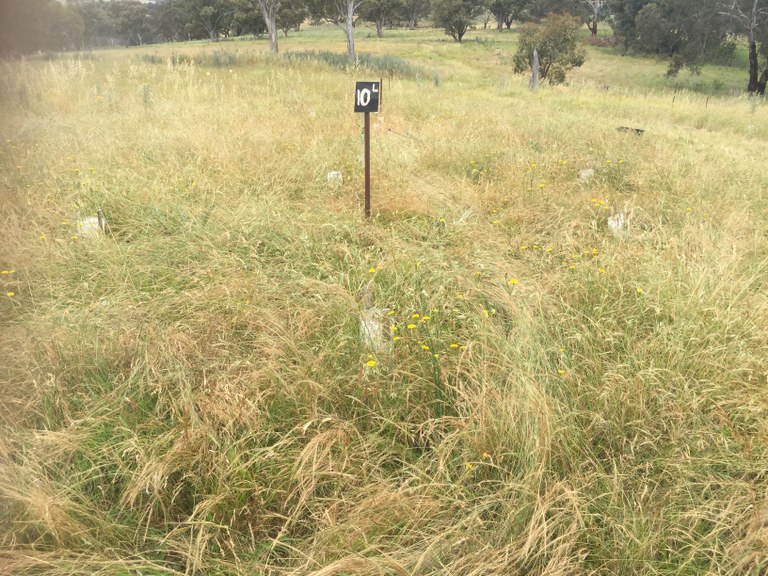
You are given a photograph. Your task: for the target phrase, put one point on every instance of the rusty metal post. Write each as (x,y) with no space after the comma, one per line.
(367,164)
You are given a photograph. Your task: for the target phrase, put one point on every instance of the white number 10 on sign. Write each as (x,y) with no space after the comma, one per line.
(367,96)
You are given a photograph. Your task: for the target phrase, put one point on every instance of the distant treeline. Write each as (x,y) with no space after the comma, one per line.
(687,32)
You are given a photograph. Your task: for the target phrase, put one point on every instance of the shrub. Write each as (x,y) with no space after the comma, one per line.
(557,42)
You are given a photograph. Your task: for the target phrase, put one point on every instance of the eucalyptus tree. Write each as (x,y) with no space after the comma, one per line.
(215,17)
(750,17)
(595,11)
(455,16)
(415,10)
(507,11)
(291,15)
(555,42)
(339,12)
(381,12)
(269,9)
(688,32)
(623,13)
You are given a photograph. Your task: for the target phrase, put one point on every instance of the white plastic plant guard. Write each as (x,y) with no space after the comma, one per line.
(619,224)
(373,330)
(92,226)
(335,178)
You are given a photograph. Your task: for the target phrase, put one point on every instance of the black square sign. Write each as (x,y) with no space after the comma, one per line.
(367,96)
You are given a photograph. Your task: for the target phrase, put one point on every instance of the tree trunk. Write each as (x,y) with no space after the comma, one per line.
(269,12)
(349,28)
(592,25)
(753,81)
(379,29)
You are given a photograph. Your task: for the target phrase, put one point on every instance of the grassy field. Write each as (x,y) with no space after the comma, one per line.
(191,393)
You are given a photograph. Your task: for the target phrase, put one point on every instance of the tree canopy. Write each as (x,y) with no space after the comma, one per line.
(688,33)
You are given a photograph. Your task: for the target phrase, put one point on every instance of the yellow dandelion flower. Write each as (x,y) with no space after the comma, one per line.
(486,455)
(10,294)
(371,270)
(572,267)
(459,295)
(513,281)
(396,338)
(640,291)
(424,347)
(425,318)
(469,465)
(601,270)
(415,315)
(371,363)
(391,313)
(411,326)
(453,345)
(561,371)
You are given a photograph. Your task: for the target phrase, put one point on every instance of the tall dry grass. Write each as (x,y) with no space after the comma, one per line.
(190,394)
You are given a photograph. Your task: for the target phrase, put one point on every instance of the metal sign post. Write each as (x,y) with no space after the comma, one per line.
(367,98)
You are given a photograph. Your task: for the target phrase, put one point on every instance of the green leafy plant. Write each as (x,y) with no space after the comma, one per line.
(557,44)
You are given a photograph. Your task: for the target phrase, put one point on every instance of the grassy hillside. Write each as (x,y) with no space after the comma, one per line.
(192,392)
